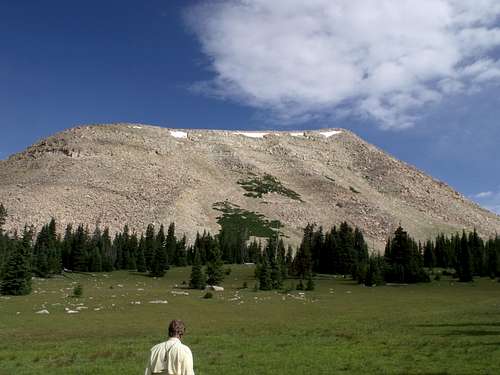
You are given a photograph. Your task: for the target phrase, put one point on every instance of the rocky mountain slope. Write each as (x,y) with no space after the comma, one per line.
(137,174)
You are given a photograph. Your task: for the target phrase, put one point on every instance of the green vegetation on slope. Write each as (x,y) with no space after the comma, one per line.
(257,186)
(234,219)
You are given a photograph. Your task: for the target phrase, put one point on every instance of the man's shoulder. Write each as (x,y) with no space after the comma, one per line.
(185,348)
(158,346)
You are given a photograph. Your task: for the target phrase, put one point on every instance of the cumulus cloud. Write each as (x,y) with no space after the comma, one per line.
(385,59)
(489,199)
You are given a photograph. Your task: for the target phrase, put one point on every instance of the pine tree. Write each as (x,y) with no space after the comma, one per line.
(215,271)
(17,273)
(149,246)
(265,281)
(464,260)
(95,260)
(170,243)
(375,271)
(78,257)
(141,262)
(159,262)
(429,257)
(493,249)
(180,253)
(197,279)
(106,249)
(405,262)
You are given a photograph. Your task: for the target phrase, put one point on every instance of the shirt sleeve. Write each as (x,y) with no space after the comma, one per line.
(188,362)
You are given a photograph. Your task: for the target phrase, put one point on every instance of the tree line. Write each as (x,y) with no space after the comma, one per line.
(341,250)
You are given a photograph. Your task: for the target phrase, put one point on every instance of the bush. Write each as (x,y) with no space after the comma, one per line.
(245,285)
(227,271)
(310,284)
(78,291)
(208,295)
(437,277)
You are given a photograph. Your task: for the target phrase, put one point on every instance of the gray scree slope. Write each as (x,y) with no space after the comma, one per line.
(137,174)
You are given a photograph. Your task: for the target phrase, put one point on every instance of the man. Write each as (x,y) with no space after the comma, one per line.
(171,357)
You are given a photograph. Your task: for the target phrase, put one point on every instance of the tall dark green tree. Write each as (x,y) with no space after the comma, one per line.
(404,261)
(150,245)
(141,262)
(197,279)
(78,257)
(214,270)
(429,256)
(171,243)
(17,273)
(464,260)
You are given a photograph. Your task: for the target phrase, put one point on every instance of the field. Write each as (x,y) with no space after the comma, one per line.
(340,328)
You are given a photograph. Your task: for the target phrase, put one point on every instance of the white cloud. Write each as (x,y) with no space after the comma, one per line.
(385,59)
(484,194)
(489,199)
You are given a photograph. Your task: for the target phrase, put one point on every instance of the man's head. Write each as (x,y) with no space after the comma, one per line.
(176,329)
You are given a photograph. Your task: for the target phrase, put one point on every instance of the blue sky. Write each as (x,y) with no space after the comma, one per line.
(419,82)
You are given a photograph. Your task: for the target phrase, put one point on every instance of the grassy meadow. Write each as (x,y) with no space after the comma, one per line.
(340,328)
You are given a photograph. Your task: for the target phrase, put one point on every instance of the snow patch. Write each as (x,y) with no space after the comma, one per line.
(297,134)
(136,127)
(43,312)
(330,133)
(178,134)
(159,302)
(252,134)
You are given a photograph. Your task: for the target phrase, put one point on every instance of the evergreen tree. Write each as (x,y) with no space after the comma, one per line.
(265,281)
(106,250)
(375,271)
(197,279)
(78,258)
(17,273)
(405,262)
(215,271)
(149,246)
(171,243)
(464,260)
(429,257)
(141,262)
(479,259)
(181,255)
(493,253)
(303,260)
(95,260)
(159,262)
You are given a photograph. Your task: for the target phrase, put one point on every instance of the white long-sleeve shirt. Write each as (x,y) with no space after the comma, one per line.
(170,357)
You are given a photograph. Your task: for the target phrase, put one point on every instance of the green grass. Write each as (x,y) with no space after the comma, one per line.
(234,219)
(340,328)
(257,186)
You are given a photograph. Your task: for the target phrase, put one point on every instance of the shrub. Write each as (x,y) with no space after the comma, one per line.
(208,295)
(78,291)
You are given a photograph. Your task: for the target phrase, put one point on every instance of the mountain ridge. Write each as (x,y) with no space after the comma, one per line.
(138,174)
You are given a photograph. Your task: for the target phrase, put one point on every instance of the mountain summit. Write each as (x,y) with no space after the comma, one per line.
(257,181)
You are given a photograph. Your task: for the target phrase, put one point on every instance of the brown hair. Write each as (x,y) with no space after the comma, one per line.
(176,328)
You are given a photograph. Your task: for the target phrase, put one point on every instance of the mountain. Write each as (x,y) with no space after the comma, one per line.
(136,174)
